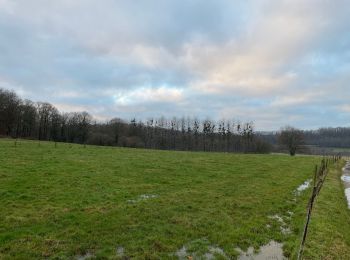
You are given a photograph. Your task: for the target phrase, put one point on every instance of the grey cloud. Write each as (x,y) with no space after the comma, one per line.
(273,63)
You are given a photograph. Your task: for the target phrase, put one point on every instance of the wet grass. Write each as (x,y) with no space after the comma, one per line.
(329,236)
(73,201)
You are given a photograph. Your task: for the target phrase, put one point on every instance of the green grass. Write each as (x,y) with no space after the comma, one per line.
(329,236)
(68,201)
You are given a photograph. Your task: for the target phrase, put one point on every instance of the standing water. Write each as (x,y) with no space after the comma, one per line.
(346,179)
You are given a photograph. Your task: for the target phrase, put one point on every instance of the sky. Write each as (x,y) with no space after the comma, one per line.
(275,63)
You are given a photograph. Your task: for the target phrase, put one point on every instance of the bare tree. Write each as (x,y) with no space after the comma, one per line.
(9,108)
(292,138)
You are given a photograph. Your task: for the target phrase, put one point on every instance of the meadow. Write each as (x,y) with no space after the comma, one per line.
(329,235)
(70,201)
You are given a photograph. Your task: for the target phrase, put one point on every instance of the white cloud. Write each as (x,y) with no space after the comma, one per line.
(146,95)
(297,99)
(7,6)
(344,108)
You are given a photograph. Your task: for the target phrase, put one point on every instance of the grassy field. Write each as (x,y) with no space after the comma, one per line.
(71,201)
(329,236)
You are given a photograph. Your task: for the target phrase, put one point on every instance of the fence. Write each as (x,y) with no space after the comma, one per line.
(319,178)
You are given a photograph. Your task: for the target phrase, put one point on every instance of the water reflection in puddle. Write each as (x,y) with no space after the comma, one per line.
(304,186)
(85,257)
(212,252)
(143,197)
(283,226)
(346,179)
(272,250)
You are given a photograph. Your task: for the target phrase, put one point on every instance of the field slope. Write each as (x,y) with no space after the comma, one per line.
(70,201)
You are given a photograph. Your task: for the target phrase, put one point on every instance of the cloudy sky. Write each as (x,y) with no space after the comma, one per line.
(271,62)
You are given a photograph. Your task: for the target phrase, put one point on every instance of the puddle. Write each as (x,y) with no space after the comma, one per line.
(211,252)
(120,251)
(182,253)
(147,196)
(346,179)
(303,186)
(85,257)
(347,194)
(273,250)
(283,225)
(143,197)
(347,167)
(278,218)
(285,230)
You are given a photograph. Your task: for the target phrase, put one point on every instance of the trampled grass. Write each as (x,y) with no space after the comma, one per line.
(108,202)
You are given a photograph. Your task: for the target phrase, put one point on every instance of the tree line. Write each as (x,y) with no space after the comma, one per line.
(323,137)
(26,119)
(42,121)
(329,137)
